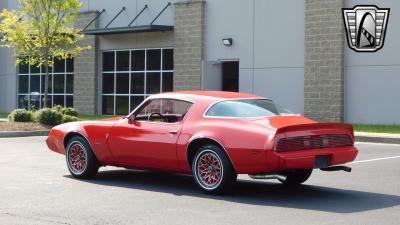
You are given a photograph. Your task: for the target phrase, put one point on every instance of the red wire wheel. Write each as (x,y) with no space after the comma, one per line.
(212,169)
(208,169)
(81,161)
(77,157)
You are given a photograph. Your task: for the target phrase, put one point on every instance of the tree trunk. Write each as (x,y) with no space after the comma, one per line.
(46,80)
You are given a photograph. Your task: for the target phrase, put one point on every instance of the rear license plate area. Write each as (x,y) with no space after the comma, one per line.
(322,161)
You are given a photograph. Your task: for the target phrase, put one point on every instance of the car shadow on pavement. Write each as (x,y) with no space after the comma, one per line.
(252,192)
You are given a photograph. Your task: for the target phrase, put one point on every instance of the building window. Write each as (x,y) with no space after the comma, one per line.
(130,76)
(31,85)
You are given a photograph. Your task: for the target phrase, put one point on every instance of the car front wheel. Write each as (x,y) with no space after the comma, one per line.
(296,177)
(212,169)
(81,161)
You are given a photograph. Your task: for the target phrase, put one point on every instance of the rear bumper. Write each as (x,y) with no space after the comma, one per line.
(305,159)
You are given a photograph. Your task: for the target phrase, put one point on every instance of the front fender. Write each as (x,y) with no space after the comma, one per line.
(95,132)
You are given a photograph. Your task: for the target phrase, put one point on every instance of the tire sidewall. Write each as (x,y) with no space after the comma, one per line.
(195,171)
(296,177)
(226,169)
(72,142)
(92,164)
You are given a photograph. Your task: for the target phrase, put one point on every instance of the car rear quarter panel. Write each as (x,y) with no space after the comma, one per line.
(244,143)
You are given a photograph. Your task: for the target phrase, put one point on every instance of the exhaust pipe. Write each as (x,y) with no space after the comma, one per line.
(283,177)
(267,176)
(337,168)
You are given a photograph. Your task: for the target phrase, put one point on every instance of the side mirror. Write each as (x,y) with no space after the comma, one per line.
(130,119)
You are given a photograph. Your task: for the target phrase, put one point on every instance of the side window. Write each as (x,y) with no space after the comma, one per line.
(164,110)
(154,106)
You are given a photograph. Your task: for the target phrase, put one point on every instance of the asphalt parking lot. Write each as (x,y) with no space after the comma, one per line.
(36,188)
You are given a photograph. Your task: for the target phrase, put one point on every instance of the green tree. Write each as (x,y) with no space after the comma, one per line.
(42,29)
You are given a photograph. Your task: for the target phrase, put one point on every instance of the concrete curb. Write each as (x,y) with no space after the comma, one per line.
(11,134)
(377,139)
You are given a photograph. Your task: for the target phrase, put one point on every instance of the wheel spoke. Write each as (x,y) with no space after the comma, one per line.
(77,157)
(209,169)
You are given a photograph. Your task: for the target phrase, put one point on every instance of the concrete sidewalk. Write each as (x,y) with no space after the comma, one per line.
(377,137)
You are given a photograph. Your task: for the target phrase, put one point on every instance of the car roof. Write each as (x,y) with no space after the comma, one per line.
(205,95)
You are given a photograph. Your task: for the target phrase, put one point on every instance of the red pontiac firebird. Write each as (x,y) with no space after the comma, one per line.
(213,135)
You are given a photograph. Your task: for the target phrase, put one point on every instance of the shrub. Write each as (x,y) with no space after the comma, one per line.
(49,116)
(20,115)
(69,111)
(35,116)
(58,108)
(68,118)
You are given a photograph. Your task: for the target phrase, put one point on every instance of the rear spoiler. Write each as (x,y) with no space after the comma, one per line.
(317,126)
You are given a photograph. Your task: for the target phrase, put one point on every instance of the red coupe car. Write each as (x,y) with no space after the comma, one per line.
(213,135)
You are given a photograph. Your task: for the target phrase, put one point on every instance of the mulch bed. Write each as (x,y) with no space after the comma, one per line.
(17,126)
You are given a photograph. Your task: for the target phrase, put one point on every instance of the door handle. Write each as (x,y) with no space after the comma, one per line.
(173,132)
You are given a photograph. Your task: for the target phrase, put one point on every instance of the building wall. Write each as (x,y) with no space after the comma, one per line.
(188,44)
(133,7)
(85,69)
(129,41)
(8,79)
(268,41)
(372,80)
(323,60)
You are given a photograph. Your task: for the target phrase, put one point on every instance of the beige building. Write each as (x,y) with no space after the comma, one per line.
(294,52)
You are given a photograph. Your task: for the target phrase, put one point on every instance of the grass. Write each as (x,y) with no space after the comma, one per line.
(391,129)
(94,117)
(3,115)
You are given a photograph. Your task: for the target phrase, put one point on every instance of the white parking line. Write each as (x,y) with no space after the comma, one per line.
(377,159)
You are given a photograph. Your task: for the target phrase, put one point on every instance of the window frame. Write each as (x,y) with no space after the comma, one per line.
(131,73)
(41,74)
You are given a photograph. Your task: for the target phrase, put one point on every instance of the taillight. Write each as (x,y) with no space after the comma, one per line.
(313,142)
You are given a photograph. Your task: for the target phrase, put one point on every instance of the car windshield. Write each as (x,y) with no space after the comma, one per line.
(247,108)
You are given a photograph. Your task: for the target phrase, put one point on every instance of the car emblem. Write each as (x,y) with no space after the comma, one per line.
(325,142)
(365,27)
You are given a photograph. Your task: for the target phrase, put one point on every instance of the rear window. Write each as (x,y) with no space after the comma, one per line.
(243,108)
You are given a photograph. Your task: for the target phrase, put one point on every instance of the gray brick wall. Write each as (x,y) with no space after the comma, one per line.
(85,69)
(323,72)
(189,44)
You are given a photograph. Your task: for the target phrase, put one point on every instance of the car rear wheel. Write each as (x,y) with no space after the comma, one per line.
(296,177)
(212,170)
(81,161)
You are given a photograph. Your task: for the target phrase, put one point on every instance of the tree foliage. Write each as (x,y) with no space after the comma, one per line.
(42,29)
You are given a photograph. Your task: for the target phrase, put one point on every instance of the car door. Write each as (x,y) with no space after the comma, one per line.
(150,140)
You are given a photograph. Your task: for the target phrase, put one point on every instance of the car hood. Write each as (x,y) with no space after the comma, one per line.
(75,125)
(111,119)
